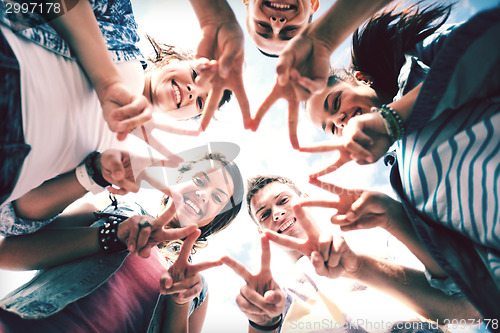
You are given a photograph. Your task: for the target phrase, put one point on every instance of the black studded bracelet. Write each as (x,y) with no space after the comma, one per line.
(107,236)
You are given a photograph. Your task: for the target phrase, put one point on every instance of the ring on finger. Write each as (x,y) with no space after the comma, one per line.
(143,223)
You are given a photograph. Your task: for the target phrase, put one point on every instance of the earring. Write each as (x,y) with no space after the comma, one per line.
(179,177)
(245,2)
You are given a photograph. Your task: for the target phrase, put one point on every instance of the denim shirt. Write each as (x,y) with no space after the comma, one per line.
(418,61)
(116,22)
(54,288)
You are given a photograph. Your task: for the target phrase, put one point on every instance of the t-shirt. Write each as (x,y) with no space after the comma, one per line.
(62,116)
(124,303)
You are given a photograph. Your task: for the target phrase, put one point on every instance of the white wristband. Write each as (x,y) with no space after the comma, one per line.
(84,179)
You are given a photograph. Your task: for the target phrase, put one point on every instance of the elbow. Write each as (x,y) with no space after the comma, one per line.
(458,309)
(32,211)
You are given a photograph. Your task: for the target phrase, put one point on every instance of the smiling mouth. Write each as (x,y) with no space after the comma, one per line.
(286,225)
(177,94)
(193,206)
(279,6)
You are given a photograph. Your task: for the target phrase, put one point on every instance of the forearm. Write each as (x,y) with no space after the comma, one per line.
(404,105)
(175,320)
(81,31)
(343,17)
(404,231)
(410,287)
(47,248)
(212,11)
(50,198)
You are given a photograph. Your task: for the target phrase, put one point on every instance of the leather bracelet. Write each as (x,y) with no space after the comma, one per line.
(107,236)
(92,169)
(267,328)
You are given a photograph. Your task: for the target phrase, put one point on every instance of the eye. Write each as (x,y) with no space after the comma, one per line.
(283,201)
(263,25)
(334,129)
(264,215)
(199,103)
(337,102)
(289,30)
(198,181)
(194,74)
(217,198)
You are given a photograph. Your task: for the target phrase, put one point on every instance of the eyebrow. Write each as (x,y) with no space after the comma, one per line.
(208,180)
(206,176)
(325,104)
(264,206)
(221,191)
(263,35)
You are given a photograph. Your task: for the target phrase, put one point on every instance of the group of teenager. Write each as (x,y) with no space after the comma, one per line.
(78,98)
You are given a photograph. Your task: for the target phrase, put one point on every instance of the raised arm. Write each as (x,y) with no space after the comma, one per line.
(361,209)
(334,258)
(222,41)
(122,109)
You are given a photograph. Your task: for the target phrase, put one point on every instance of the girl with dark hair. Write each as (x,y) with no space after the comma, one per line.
(209,196)
(443,121)
(391,55)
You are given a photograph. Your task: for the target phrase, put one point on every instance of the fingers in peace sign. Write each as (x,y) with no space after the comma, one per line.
(262,300)
(182,279)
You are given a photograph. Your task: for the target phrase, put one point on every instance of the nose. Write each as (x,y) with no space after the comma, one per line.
(191,91)
(277,23)
(277,214)
(339,119)
(202,195)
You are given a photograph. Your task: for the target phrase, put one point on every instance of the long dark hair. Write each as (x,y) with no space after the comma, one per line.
(378,47)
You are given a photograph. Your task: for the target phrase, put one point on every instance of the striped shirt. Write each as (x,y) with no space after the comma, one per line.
(449,161)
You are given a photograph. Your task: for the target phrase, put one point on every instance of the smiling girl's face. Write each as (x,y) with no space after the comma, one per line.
(174,91)
(332,109)
(202,193)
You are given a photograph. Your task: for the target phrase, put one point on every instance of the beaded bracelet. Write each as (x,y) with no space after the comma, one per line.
(267,328)
(108,239)
(392,121)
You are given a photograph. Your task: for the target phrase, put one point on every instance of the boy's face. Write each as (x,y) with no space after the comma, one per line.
(272,206)
(271,24)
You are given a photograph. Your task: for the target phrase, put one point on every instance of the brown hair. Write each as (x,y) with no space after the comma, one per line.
(164,54)
(258,182)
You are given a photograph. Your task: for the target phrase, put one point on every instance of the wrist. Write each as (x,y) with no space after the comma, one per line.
(89,176)
(393,123)
(359,271)
(269,325)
